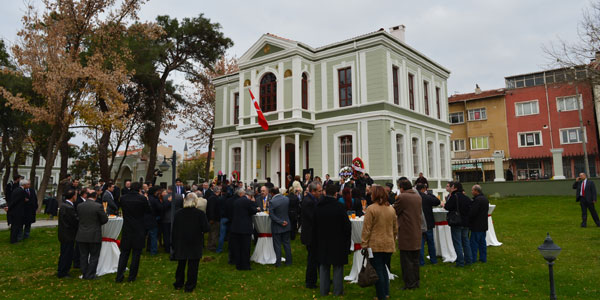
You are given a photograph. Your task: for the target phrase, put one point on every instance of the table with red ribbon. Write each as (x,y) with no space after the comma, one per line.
(443,237)
(263,252)
(109,252)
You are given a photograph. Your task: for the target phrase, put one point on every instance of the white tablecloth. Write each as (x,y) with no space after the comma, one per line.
(263,252)
(443,237)
(357,260)
(109,253)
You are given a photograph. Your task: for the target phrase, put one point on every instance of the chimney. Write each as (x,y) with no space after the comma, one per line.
(477,89)
(398,32)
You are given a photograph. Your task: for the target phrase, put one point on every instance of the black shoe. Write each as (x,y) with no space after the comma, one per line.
(583,226)
(131,280)
(177,287)
(311,287)
(119,279)
(188,290)
(63,276)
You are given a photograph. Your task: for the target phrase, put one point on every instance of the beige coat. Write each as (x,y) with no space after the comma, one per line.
(408,208)
(379,228)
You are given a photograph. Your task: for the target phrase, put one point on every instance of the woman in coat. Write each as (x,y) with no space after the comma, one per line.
(379,231)
(189,226)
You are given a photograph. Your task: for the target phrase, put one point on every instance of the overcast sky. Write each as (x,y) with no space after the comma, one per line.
(478,41)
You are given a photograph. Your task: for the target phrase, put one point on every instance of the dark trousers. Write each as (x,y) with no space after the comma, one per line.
(240,250)
(427,237)
(65,259)
(213,235)
(135,263)
(338,279)
(24,234)
(166,232)
(16,229)
(312,265)
(76,256)
(89,253)
(409,261)
(585,206)
(192,274)
(382,286)
(152,240)
(462,245)
(478,244)
(294,228)
(280,239)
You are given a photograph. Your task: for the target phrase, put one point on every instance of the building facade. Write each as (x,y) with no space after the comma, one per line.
(479,129)
(372,97)
(134,165)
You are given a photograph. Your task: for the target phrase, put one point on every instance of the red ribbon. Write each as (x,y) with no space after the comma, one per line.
(441,223)
(357,246)
(489,215)
(118,242)
(265,235)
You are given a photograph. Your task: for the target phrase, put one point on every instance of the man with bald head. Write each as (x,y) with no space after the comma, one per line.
(586,196)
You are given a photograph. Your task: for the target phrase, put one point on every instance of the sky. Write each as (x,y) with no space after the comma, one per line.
(480,42)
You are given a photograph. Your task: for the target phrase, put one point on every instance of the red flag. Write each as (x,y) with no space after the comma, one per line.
(261,118)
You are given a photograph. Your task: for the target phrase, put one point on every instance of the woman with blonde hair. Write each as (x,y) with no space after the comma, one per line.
(379,231)
(189,226)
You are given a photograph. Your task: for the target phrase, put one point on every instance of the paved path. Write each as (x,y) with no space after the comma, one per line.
(37,224)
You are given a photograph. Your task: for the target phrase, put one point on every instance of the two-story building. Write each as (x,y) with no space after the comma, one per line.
(478,123)
(372,96)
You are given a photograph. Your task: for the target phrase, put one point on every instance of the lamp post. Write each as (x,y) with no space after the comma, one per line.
(164,166)
(581,129)
(550,251)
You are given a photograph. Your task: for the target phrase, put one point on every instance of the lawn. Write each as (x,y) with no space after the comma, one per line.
(514,270)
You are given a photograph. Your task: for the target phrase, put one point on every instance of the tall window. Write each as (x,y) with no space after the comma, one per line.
(304,91)
(443,160)
(477,114)
(236,108)
(426,96)
(479,143)
(411,91)
(527,108)
(237,159)
(400,153)
(345,151)
(415,156)
(268,93)
(395,85)
(571,136)
(457,117)
(430,159)
(437,102)
(530,139)
(345,86)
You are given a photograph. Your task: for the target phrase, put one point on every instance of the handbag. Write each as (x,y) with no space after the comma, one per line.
(453,217)
(368,275)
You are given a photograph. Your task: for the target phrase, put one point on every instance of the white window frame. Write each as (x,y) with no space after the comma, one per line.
(480,109)
(453,145)
(457,112)
(336,146)
(400,153)
(430,158)
(537,108)
(559,99)
(477,137)
(529,132)
(443,168)
(416,162)
(336,84)
(560,131)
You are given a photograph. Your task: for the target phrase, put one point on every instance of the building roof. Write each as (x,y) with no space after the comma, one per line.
(129,152)
(201,155)
(476,96)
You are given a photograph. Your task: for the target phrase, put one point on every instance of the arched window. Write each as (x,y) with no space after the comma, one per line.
(268,93)
(416,157)
(304,91)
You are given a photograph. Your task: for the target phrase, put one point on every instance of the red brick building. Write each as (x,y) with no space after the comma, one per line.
(542,114)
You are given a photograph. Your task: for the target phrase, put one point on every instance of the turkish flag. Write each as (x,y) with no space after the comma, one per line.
(261,118)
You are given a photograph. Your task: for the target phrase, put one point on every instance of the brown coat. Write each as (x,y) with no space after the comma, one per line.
(379,228)
(408,209)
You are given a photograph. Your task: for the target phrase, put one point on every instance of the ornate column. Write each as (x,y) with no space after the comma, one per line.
(282,168)
(243,162)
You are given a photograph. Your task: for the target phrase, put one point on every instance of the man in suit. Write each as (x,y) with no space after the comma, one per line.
(89,236)
(10,187)
(327,181)
(309,204)
(175,204)
(16,211)
(478,224)
(280,226)
(167,215)
(586,196)
(109,198)
(67,230)
(427,204)
(126,187)
(206,190)
(241,229)
(263,199)
(269,184)
(31,206)
(134,205)
(213,214)
(179,189)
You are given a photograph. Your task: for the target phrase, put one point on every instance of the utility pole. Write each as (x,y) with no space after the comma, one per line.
(581,129)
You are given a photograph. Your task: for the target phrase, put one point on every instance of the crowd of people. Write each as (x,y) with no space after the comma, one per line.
(175,220)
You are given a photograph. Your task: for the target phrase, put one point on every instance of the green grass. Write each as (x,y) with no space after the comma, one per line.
(37,216)
(514,270)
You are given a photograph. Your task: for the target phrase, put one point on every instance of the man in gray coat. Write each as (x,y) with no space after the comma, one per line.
(280,225)
(89,236)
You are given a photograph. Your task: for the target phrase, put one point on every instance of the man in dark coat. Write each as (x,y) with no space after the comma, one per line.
(10,187)
(31,206)
(109,198)
(586,197)
(67,230)
(16,211)
(167,216)
(307,236)
(213,214)
(333,239)
(460,203)
(478,224)
(189,226)
(280,226)
(421,179)
(89,236)
(427,204)
(134,206)
(241,230)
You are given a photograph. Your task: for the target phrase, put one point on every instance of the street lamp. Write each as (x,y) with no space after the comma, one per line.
(164,166)
(550,251)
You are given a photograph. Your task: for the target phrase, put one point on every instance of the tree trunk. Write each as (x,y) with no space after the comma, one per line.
(17,161)
(55,138)
(209,154)
(103,154)
(154,139)
(64,159)
(6,176)
(35,160)
(122,161)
